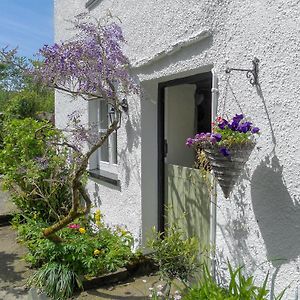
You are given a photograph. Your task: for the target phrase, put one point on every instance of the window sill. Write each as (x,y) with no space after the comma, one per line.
(105,176)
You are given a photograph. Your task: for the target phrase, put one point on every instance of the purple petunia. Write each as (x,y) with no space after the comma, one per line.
(234,125)
(189,142)
(212,139)
(238,118)
(217,136)
(255,130)
(223,124)
(226,134)
(224,151)
(244,127)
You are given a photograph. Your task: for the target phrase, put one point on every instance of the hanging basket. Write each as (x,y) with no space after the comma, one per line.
(227,169)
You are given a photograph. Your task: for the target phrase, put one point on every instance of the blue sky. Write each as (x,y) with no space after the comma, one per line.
(27,24)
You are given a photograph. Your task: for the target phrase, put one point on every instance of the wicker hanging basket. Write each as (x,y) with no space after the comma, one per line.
(227,169)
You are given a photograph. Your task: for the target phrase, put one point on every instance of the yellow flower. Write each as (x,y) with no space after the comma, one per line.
(97,252)
(97,215)
(82,230)
(123,232)
(98,223)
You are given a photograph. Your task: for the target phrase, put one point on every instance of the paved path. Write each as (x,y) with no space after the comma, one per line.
(136,289)
(6,206)
(14,272)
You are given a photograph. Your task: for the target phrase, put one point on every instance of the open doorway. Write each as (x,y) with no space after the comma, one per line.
(184,109)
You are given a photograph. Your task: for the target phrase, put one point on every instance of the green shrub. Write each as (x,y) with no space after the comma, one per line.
(240,288)
(90,249)
(1,131)
(28,103)
(175,255)
(22,105)
(82,239)
(56,280)
(36,172)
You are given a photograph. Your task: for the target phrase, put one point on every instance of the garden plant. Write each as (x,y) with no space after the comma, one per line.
(45,170)
(226,150)
(176,256)
(177,259)
(90,66)
(226,135)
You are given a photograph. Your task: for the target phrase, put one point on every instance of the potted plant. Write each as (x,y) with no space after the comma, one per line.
(227,148)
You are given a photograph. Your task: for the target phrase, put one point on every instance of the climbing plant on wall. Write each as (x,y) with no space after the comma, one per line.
(89,66)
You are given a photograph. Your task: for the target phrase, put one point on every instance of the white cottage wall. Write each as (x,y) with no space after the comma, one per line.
(259,225)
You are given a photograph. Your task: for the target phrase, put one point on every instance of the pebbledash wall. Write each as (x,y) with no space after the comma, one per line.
(259,226)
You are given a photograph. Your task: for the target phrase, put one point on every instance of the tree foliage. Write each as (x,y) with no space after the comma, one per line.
(92,65)
(17,87)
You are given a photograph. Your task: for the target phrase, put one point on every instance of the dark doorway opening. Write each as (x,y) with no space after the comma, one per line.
(184,109)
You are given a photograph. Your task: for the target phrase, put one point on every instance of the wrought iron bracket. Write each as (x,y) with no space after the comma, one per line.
(251,74)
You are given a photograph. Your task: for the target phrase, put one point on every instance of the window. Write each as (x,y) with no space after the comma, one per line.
(104,160)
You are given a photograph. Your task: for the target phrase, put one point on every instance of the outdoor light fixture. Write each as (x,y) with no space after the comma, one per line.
(111,114)
(251,74)
(124,104)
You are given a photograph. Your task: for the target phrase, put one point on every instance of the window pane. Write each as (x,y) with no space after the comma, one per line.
(103,122)
(114,152)
(104,156)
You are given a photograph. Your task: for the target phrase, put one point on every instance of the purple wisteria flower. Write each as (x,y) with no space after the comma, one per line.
(92,63)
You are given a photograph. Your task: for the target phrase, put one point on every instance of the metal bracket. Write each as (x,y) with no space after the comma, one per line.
(252,75)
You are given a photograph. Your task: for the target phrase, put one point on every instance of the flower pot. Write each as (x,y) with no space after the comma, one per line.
(227,169)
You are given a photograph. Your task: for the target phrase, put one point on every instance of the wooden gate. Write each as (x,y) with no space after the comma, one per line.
(188,202)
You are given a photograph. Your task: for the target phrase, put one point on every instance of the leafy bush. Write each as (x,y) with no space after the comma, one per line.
(22,105)
(175,255)
(1,131)
(91,249)
(56,280)
(28,104)
(240,288)
(35,170)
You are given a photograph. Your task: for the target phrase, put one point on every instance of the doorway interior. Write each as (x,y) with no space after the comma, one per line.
(184,109)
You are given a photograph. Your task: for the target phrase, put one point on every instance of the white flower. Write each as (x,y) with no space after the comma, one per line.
(159,294)
(177,297)
(151,289)
(144,280)
(160,287)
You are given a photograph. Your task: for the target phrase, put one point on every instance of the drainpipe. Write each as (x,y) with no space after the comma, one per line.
(213,206)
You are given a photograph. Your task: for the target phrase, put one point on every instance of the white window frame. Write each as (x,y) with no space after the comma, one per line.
(95,163)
